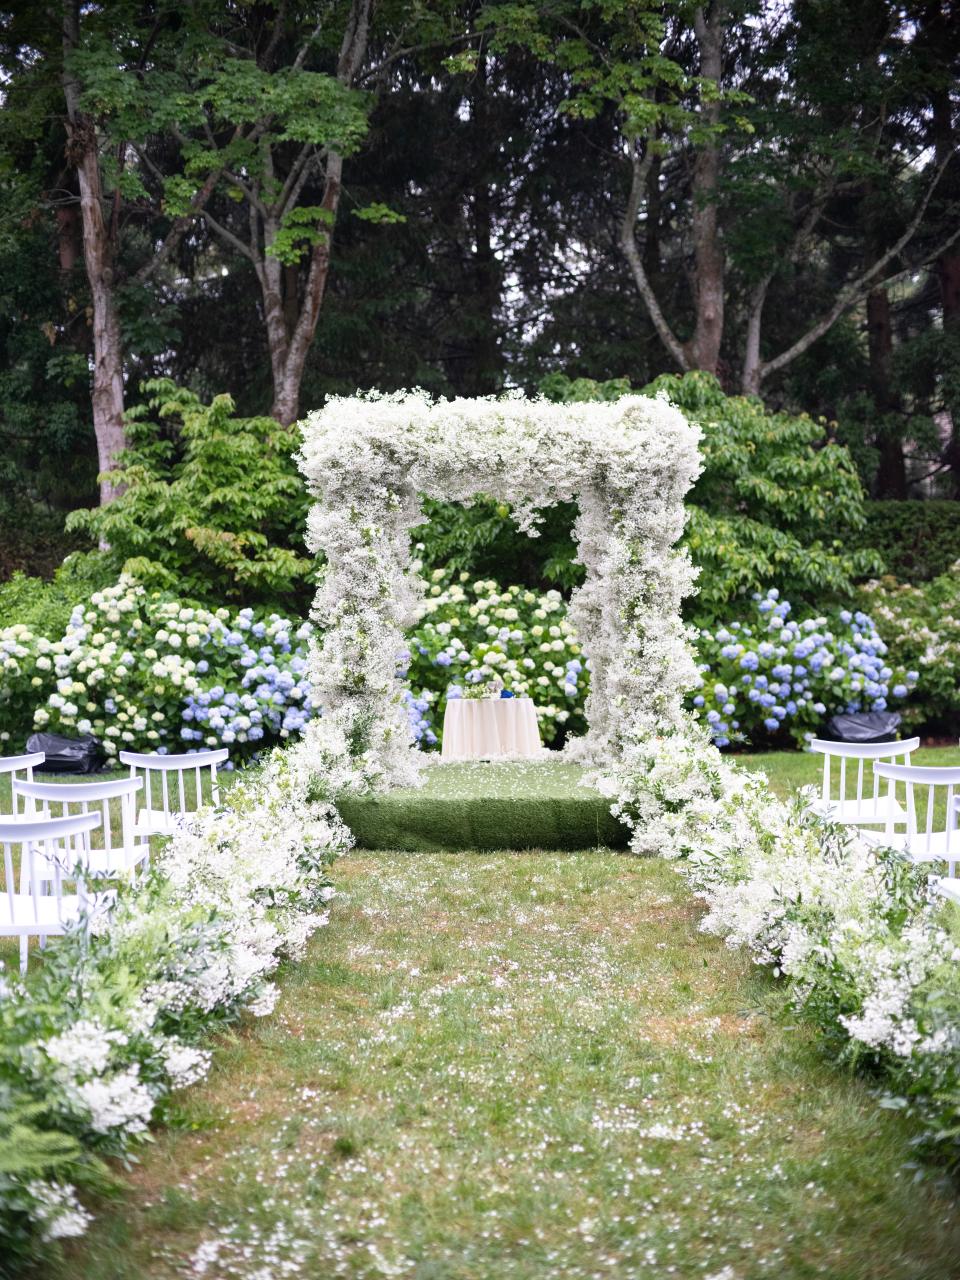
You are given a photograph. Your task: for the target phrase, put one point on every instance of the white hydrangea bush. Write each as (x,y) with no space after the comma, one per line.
(117,1017)
(369,460)
(141,671)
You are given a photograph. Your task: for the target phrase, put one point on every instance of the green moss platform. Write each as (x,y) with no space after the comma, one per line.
(479,805)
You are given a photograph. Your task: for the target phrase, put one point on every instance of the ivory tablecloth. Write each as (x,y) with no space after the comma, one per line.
(485,728)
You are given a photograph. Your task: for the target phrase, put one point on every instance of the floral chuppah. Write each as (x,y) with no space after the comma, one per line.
(369,459)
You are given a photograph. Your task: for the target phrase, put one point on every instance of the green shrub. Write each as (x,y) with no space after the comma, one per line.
(917,540)
(45,606)
(215,511)
(482,541)
(777,505)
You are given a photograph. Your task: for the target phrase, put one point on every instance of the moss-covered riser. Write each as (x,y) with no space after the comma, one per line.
(479,805)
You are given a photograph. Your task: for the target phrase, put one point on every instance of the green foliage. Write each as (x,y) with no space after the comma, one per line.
(380,213)
(25,1149)
(300,230)
(916,540)
(773,503)
(482,539)
(564,390)
(45,606)
(28,1150)
(610,56)
(776,500)
(214,513)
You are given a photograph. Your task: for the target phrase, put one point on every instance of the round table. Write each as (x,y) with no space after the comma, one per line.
(490,728)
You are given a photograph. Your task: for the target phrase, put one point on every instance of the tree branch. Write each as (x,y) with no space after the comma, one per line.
(640,169)
(290,187)
(179,229)
(354,46)
(228,237)
(870,279)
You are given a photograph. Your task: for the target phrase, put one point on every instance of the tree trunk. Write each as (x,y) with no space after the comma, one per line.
(69,237)
(83,154)
(651,240)
(288,376)
(948,269)
(752,363)
(482,370)
(704,347)
(288,370)
(891,481)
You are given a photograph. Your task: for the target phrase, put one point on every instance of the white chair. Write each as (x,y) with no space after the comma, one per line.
(50,851)
(123,850)
(931,844)
(152,821)
(20,764)
(860,810)
(949,887)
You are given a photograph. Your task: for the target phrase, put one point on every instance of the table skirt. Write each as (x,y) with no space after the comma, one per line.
(488,728)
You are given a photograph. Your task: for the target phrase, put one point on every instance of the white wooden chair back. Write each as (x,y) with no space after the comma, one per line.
(168,774)
(864,808)
(24,764)
(50,850)
(927,842)
(118,848)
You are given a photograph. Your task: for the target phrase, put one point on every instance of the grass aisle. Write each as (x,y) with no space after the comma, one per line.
(524,1066)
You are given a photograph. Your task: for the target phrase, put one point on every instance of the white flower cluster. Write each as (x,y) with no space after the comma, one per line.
(106,1033)
(368,460)
(855,930)
(144,672)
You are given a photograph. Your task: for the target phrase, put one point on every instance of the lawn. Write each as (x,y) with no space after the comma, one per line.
(528,1066)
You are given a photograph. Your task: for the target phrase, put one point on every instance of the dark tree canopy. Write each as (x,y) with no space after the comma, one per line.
(282,200)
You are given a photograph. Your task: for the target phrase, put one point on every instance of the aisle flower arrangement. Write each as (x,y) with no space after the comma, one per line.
(120,1015)
(868,950)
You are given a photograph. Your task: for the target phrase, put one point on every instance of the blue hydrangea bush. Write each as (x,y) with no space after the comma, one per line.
(770,676)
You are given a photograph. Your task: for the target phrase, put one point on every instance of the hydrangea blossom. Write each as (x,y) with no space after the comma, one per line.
(773,676)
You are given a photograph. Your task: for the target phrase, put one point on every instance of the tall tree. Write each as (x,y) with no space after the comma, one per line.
(83,154)
(701,89)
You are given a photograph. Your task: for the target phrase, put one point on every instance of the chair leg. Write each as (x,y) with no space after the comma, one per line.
(24,944)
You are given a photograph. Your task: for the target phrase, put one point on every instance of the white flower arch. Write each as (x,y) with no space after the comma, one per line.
(367,461)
